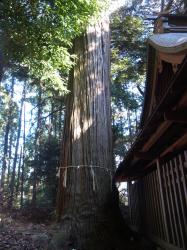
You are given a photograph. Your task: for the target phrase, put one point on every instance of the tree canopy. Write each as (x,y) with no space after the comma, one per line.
(37,35)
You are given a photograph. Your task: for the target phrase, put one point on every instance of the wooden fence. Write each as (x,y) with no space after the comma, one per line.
(158,203)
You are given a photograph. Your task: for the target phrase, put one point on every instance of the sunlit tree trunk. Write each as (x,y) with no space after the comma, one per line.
(5,154)
(130,127)
(19,174)
(37,148)
(10,156)
(85,192)
(6,137)
(12,182)
(1,66)
(23,160)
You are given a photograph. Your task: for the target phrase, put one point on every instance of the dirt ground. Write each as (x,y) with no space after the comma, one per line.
(17,232)
(33,230)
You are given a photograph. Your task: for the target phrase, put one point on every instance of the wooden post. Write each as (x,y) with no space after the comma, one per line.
(176,200)
(162,200)
(180,192)
(130,201)
(172,208)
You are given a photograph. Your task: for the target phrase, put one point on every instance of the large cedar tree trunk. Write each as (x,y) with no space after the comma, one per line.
(85,192)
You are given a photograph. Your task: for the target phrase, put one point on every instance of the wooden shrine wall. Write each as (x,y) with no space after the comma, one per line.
(158,203)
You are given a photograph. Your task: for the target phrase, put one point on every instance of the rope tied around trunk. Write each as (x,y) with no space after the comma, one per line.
(84,166)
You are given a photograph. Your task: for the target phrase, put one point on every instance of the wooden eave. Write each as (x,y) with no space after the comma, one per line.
(163,132)
(163,126)
(170,43)
(171,47)
(150,80)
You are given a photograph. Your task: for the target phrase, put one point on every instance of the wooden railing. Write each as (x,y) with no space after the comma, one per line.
(134,211)
(158,203)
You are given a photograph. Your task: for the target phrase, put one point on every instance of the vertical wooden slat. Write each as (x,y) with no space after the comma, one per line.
(137,204)
(177,204)
(130,198)
(162,200)
(146,201)
(163,226)
(145,204)
(173,214)
(156,204)
(157,197)
(169,207)
(153,205)
(141,204)
(183,174)
(149,212)
(150,206)
(181,198)
(134,203)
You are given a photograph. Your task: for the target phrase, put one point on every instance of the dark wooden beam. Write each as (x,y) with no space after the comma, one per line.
(179,116)
(144,155)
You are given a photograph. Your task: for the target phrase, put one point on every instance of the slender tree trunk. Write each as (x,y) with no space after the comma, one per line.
(37,148)
(60,119)
(53,122)
(84,196)
(19,174)
(10,156)
(12,182)
(136,120)
(130,127)
(5,154)
(7,131)
(162,5)
(185,6)
(2,66)
(23,160)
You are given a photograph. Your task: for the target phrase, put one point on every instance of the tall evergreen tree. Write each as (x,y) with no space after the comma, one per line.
(13,175)
(6,134)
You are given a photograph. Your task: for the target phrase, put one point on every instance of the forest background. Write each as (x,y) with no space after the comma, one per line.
(35,60)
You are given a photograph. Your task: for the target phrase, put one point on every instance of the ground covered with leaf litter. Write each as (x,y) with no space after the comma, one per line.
(19,232)
(31,229)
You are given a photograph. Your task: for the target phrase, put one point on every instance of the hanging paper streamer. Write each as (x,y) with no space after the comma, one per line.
(84,166)
(93,178)
(65,178)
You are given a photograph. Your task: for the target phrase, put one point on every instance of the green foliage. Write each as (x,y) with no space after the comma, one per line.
(128,66)
(128,48)
(46,164)
(8,108)
(38,35)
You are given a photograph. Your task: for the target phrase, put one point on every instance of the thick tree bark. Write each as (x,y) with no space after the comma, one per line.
(85,186)
(84,192)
